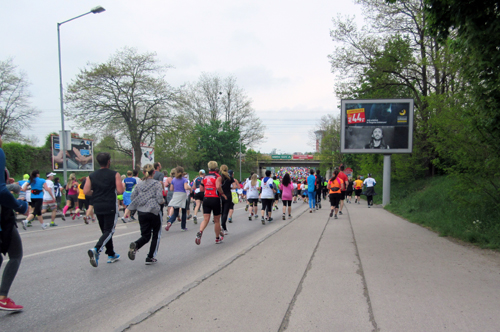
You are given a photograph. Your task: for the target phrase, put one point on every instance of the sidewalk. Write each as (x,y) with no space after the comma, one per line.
(366,271)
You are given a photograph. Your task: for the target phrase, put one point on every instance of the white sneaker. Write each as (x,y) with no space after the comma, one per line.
(44,226)
(25,224)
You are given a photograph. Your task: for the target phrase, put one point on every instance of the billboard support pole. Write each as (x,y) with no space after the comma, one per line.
(386,197)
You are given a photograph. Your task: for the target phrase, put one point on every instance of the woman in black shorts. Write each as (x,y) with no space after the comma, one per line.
(348,191)
(335,186)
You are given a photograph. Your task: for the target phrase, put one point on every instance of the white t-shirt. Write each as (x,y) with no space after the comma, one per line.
(267,188)
(252,191)
(369,182)
(46,195)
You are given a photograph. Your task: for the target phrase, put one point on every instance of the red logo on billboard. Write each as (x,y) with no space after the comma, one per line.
(356,116)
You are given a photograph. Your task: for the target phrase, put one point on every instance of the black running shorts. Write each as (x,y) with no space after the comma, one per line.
(211,204)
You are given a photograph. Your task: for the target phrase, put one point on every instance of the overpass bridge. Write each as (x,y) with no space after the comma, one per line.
(265,164)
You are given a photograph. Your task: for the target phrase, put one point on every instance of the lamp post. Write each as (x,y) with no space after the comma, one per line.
(62,137)
(240,158)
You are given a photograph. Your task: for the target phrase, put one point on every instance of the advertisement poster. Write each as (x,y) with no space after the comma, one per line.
(377,126)
(79,156)
(147,156)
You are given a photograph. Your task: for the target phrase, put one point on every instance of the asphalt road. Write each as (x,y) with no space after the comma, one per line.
(60,291)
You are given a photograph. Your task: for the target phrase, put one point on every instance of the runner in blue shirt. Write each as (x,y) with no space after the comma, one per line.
(311,186)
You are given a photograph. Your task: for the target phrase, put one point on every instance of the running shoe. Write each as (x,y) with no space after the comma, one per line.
(230,220)
(184,229)
(124,221)
(335,217)
(319,205)
(189,217)
(84,220)
(94,257)
(369,206)
(331,213)
(53,224)
(168,226)
(151,261)
(74,216)
(289,216)
(270,219)
(44,226)
(263,221)
(25,224)
(112,259)
(284,217)
(340,212)
(8,305)
(178,218)
(246,208)
(218,240)
(132,250)
(195,220)
(132,217)
(225,232)
(221,236)
(249,217)
(198,238)
(355,201)
(29,224)
(93,219)
(63,217)
(256,216)
(310,211)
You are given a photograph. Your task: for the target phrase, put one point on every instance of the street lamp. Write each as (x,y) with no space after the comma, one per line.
(62,138)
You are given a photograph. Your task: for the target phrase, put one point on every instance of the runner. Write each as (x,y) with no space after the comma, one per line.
(198,195)
(345,180)
(335,186)
(10,241)
(104,185)
(267,197)
(370,189)
(227,184)
(71,195)
(311,186)
(211,186)
(128,185)
(244,190)
(287,195)
(58,192)
(22,193)
(37,186)
(146,199)
(234,193)
(252,188)
(48,200)
(277,193)
(179,186)
(348,192)
(158,176)
(83,204)
(358,188)
(319,188)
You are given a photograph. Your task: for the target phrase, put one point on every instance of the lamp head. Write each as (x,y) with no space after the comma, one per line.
(97,10)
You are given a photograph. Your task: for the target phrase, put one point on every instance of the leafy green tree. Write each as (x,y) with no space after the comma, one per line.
(217,141)
(126,97)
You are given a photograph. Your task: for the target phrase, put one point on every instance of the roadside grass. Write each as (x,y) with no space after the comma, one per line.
(436,203)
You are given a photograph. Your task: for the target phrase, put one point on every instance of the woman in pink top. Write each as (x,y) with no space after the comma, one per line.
(286,188)
(72,195)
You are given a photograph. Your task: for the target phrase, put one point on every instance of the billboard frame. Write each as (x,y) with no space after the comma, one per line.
(345,126)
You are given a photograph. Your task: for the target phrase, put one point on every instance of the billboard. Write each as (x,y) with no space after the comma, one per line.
(377,126)
(79,156)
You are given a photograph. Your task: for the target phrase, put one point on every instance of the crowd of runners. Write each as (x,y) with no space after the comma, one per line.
(213,193)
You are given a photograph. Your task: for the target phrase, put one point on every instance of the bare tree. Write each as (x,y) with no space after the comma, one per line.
(214,98)
(126,96)
(16,113)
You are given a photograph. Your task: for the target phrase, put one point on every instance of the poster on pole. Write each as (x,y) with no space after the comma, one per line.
(79,156)
(377,126)
(147,156)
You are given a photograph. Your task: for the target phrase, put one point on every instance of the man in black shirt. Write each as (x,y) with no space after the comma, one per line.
(103,185)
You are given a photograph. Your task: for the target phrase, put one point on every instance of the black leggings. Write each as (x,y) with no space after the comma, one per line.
(267,204)
(227,204)
(15,256)
(150,224)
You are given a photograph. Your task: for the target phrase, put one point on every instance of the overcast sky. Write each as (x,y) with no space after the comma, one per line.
(277,50)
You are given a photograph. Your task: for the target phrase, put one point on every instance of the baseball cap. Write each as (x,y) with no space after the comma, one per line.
(231,172)
(202,171)
(50,174)
(26,177)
